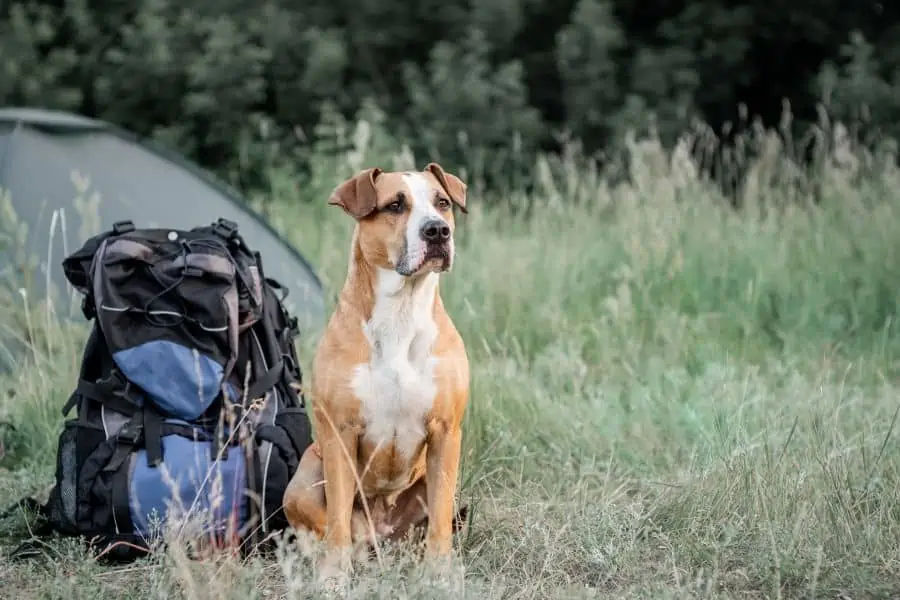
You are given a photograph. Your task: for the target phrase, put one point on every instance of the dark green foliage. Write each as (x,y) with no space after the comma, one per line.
(481,85)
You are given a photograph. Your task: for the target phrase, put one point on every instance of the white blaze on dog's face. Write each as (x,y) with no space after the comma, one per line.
(405,219)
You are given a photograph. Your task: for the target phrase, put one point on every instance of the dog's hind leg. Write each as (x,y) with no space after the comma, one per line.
(409,515)
(409,518)
(304,498)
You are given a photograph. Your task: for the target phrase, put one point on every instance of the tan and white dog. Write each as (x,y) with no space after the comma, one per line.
(390,379)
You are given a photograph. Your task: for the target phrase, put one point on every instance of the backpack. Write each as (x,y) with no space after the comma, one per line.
(188,400)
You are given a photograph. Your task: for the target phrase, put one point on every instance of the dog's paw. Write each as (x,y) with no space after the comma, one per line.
(334,572)
(443,576)
(334,581)
(438,564)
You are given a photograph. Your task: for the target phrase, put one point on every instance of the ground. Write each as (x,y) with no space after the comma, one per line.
(670,399)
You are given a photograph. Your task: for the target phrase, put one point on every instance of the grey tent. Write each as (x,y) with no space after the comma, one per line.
(41,150)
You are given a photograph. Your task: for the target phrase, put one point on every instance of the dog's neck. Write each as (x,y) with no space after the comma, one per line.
(395,310)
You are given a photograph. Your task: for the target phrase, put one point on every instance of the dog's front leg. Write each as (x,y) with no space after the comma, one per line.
(441,472)
(339,450)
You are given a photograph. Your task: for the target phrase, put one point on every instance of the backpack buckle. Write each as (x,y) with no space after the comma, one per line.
(129,434)
(121,227)
(225,228)
(127,439)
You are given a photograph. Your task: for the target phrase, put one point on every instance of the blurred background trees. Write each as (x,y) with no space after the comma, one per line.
(240,86)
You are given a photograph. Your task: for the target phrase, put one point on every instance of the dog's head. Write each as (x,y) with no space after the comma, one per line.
(405,219)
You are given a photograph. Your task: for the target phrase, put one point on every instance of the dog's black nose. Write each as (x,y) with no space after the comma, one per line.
(435,231)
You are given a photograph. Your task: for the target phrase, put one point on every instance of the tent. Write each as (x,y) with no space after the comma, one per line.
(43,154)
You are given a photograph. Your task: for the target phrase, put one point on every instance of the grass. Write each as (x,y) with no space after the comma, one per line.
(670,399)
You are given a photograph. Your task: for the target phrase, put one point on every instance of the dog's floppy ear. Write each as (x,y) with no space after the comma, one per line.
(452,184)
(357,195)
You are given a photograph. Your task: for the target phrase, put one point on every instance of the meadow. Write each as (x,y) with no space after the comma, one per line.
(670,398)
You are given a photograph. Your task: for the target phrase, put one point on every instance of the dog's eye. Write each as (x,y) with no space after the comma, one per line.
(443,204)
(395,207)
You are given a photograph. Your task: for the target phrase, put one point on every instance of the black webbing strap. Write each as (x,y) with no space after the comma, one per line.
(256,509)
(117,401)
(127,440)
(218,435)
(266,381)
(70,404)
(153,433)
(185,431)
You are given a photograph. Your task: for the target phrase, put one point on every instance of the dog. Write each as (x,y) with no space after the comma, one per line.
(390,377)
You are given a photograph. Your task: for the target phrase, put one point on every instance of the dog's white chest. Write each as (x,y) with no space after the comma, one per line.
(397,386)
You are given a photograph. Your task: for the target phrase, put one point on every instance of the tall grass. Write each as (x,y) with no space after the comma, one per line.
(670,398)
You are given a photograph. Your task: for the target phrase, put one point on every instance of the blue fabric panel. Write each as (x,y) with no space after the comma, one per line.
(192,485)
(234,394)
(180,381)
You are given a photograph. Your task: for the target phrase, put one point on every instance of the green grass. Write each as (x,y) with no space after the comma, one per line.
(669,399)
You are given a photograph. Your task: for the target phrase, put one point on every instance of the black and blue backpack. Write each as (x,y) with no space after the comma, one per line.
(188,402)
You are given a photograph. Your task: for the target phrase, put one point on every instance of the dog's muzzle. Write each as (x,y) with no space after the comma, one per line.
(437,237)
(434,249)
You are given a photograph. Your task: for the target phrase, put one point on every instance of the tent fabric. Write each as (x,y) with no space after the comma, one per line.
(40,154)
